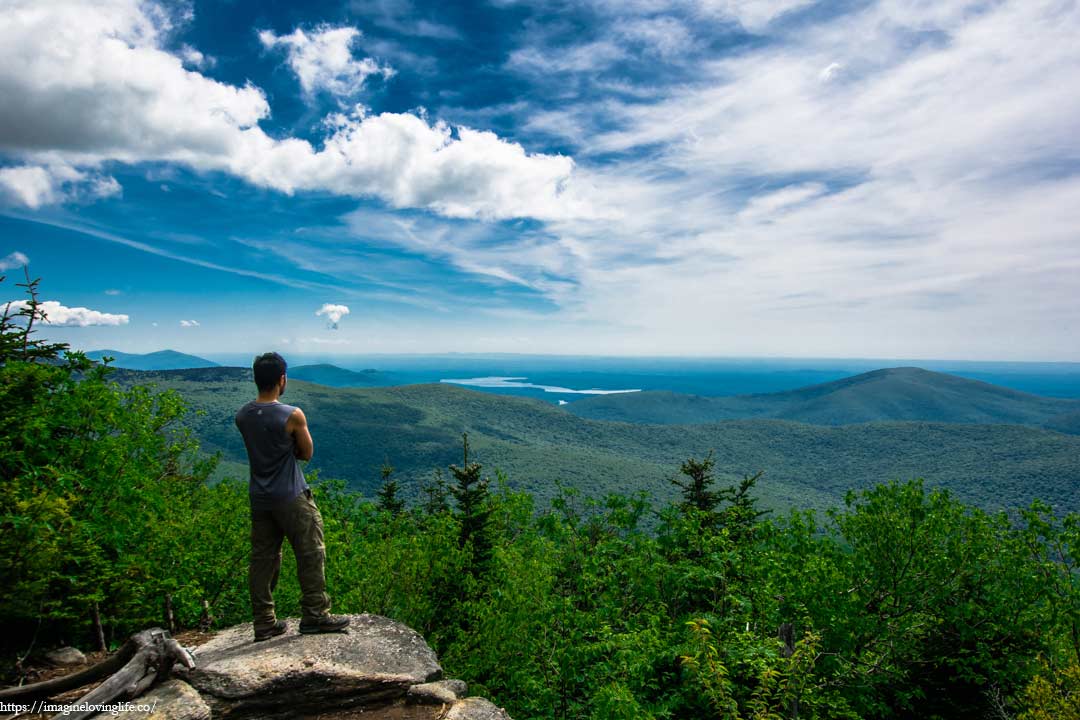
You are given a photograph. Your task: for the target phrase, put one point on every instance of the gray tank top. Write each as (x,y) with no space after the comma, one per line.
(275,473)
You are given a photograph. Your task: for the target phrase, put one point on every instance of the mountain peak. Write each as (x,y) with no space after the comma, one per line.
(886,394)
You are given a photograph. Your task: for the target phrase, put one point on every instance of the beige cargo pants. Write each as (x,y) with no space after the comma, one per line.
(301,522)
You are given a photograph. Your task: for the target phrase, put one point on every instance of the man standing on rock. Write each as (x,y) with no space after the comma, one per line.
(277,438)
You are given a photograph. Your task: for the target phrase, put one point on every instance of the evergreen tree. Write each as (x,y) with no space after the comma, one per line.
(388,497)
(435,494)
(473,508)
(741,515)
(697,488)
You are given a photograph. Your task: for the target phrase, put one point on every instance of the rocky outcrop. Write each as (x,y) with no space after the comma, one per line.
(378,670)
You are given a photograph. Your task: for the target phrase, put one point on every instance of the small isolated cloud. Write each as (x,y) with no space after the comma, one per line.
(189,323)
(322,59)
(57,314)
(14,260)
(113,291)
(333,314)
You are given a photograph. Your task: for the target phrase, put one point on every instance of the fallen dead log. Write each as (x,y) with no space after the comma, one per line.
(145,659)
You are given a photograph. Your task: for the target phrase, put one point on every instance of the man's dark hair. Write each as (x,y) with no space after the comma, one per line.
(268,369)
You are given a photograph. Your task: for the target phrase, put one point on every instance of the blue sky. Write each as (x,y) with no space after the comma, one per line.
(873,178)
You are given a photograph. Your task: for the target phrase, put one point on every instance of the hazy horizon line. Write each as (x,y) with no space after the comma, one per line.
(689,357)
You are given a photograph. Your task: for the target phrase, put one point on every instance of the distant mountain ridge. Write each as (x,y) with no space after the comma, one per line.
(160,360)
(886,395)
(320,373)
(417,429)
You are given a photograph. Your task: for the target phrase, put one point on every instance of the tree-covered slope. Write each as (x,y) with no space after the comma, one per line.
(417,428)
(332,375)
(891,394)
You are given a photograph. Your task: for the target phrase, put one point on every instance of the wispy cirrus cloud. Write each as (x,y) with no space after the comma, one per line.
(859,165)
(403,17)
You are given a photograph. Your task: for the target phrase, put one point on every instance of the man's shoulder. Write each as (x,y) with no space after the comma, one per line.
(245,411)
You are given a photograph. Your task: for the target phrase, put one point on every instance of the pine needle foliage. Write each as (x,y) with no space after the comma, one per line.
(388,498)
(470,491)
(17,327)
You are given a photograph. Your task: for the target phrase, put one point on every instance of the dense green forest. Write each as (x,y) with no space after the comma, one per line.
(901,601)
(417,428)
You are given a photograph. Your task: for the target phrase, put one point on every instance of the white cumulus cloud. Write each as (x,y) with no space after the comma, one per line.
(333,313)
(89,83)
(322,59)
(189,323)
(58,314)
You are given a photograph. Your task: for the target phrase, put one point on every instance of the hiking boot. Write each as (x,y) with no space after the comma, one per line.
(274,630)
(324,624)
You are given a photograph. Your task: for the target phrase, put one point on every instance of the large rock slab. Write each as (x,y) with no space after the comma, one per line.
(372,665)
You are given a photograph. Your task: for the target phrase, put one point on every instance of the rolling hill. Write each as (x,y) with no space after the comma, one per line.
(160,360)
(417,428)
(891,394)
(333,376)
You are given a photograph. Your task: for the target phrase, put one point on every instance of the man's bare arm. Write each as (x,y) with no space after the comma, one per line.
(303,445)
